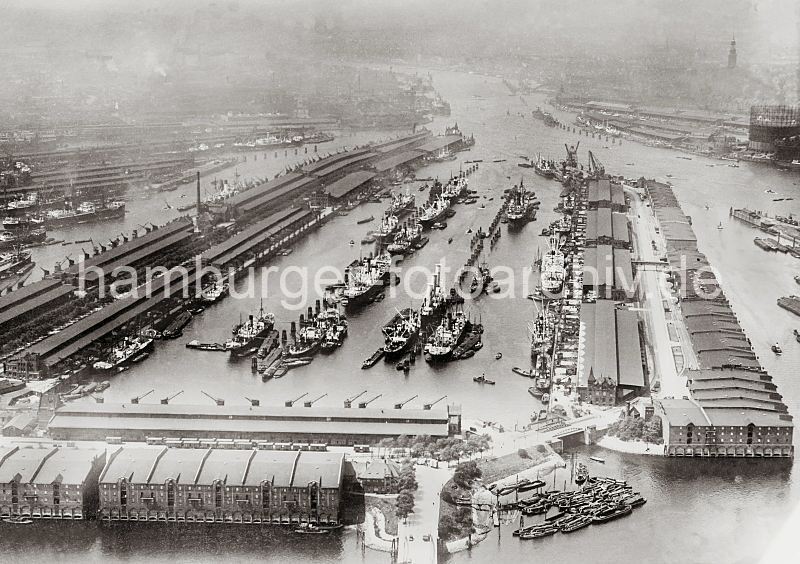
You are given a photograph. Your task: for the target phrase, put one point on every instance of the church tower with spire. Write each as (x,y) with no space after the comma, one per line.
(732,54)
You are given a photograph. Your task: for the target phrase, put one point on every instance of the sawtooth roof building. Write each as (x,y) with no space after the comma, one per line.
(221,486)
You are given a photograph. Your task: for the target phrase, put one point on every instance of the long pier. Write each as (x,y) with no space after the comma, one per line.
(789,233)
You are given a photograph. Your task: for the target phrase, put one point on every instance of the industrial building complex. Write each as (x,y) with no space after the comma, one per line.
(733,407)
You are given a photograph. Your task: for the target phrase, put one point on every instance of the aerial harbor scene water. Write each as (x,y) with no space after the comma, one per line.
(393,282)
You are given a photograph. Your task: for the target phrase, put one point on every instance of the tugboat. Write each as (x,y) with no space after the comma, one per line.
(310,529)
(582,474)
(364,280)
(776,348)
(483,380)
(250,334)
(446,337)
(401,332)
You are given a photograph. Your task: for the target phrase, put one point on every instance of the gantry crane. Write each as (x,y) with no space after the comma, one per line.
(402,403)
(309,403)
(166,400)
(349,401)
(428,406)
(290,403)
(253,402)
(218,401)
(137,398)
(364,404)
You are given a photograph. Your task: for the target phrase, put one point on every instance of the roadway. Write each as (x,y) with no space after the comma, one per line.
(653,290)
(424,522)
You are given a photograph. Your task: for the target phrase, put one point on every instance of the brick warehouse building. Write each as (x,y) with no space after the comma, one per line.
(49,482)
(221,486)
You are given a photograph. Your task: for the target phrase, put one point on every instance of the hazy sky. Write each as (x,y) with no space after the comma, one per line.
(765,29)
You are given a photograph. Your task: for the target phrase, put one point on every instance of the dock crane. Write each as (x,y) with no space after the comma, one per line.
(137,398)
(364,404)
(572,155)
(253,402)
(428,406)
(166,400)
(290,403)
(218,401)
(309,403)
(349,401)
(596,168)
(402,403)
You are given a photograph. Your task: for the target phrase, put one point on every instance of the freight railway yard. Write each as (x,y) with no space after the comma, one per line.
(466,298)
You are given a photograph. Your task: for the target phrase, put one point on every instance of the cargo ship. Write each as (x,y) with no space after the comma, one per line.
(214,292)
(406,238)
(18,224)
(553,271)
(12,239)
(247,336)
(434,212)
(389,225)
(454,188)
(307,342)
(128,350)
(401,332)
(544,168)
(334,328)
(481,280)
(11,264)
(446,337)
(364,280)
(401,204)
(86,212)
(521,209)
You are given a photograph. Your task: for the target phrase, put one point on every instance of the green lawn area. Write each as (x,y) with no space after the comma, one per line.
(510,464)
